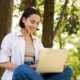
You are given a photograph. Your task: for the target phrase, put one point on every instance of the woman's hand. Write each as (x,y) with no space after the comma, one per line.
(10,66)
(65,65)
(33,66)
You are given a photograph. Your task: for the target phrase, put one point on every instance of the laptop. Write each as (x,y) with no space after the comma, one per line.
(52,60)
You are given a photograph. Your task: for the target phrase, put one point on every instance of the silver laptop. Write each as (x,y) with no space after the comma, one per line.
(52,60)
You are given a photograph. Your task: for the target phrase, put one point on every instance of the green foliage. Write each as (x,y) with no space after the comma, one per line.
(73,19)
(21,6)
(74,62)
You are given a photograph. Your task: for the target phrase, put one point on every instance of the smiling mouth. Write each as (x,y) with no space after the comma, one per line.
(37,29)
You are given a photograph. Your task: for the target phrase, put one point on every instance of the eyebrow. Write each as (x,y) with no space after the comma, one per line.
(34,20)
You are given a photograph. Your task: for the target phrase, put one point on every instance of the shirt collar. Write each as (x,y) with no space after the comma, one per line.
(19,34)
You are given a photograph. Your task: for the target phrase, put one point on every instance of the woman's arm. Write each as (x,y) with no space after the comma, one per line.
(8,65)
(5,53)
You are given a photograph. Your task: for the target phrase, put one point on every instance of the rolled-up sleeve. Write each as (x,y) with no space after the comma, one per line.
(5,51)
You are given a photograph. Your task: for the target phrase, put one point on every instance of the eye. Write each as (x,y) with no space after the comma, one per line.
(32,22)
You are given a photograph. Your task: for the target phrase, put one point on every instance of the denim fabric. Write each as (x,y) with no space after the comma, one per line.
(24,72)
(65,75)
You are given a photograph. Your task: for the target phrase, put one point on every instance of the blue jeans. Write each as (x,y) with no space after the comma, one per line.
(24,72)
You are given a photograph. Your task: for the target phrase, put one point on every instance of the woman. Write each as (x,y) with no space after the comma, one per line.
(20,51)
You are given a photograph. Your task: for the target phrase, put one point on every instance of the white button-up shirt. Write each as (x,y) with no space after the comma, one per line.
(13,49)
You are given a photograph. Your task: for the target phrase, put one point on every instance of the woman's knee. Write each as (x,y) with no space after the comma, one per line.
(21,70)
(68,70)
(24,72)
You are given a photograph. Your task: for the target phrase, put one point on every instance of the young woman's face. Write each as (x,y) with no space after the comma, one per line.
(31,23)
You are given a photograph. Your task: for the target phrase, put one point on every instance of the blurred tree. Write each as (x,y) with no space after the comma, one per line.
(29,3)
(26,3)
(73,19)
(63,12)
(50,31)
(6,12)
(47,38)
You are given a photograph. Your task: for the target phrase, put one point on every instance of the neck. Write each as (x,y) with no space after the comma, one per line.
(25,32)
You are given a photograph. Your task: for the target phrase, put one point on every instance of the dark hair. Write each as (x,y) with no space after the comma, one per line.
(28,11)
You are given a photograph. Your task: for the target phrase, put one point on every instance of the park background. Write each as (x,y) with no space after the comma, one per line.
(59,27)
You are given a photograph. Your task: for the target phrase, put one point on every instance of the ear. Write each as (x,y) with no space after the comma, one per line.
(23,19)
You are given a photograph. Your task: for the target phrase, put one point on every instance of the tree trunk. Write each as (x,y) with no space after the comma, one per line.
(74,78)
(6,10)
(60,19)
(47,38)
(28,3)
